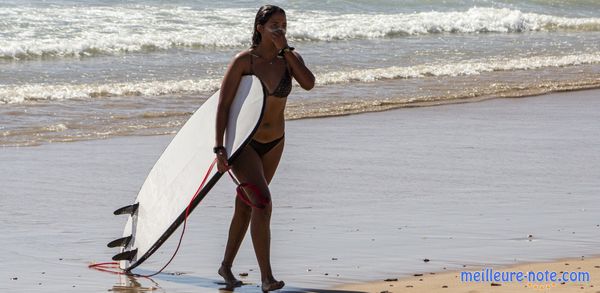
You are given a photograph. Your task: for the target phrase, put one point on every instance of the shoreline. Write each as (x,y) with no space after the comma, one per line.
(374,106)
(461,98)
(449,281)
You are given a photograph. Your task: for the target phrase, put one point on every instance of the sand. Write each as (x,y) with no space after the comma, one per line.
(451,281)
(357,199)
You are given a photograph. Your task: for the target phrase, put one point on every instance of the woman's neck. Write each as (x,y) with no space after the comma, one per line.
(266,50)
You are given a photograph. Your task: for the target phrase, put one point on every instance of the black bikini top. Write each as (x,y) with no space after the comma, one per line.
(285,84)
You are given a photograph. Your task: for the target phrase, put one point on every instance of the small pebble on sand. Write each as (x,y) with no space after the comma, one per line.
(391,280)
(444,286)
(418,275)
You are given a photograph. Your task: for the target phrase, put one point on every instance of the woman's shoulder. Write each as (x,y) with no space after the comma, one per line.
(243,55)
(243,58)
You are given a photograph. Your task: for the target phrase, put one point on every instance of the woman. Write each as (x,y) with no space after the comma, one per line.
(275,63)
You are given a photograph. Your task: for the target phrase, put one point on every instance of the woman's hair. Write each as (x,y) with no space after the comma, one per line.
(262,16)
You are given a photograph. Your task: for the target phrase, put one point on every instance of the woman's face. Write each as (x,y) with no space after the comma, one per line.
(277,22)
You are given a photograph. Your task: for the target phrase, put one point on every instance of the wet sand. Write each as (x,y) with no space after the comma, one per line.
(356,199)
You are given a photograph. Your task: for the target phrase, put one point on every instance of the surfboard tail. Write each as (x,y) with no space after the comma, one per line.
(127,210)
(125,255)
(121,242)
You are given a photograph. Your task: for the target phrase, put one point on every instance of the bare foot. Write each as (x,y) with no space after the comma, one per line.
(227,275)
(272,285)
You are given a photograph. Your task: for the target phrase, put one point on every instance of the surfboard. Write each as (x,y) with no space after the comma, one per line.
(160,206)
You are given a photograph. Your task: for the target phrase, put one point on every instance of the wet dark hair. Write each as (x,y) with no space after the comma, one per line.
(262,16)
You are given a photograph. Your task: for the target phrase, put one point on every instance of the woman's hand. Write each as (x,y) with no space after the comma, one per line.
(222,164)
(279,39)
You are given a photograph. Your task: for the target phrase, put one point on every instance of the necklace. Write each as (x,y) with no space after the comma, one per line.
(270,61)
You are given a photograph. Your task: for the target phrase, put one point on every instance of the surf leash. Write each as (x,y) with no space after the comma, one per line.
(114,268)
(262,200)
(109,267)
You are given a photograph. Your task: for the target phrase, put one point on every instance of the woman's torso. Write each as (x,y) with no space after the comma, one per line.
(273,74)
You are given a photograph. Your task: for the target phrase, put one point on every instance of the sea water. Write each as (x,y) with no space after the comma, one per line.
(80,70)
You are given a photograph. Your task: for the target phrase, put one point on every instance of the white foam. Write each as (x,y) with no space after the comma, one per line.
(30,32)
(454,69)
(322,26)
(36,92)
(21,93)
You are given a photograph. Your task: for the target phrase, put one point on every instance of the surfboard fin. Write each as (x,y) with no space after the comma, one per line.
(130,209)
(125,255)
(121,242)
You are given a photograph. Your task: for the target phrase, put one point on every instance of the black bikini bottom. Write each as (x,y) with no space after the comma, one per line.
(263,148)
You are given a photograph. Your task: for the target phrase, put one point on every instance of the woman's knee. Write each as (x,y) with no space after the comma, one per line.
(264,212)
(242,209)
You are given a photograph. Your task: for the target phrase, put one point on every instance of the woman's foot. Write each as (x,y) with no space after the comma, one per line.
(271,285)
(230,280)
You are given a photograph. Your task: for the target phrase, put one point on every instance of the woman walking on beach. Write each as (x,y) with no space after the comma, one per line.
(275,63)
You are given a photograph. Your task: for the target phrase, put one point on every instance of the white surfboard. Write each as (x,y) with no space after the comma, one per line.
(160,206)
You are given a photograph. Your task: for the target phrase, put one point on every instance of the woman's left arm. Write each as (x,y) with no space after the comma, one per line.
(301,73)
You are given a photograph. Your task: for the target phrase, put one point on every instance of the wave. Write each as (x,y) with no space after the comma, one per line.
(30,32)
(43,92)
(475,20)
(456,69)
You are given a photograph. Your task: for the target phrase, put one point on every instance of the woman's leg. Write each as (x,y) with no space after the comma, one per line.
(246,170)
(237,231)
(261,222)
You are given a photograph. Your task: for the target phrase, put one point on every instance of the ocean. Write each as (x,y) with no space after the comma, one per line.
(81,70)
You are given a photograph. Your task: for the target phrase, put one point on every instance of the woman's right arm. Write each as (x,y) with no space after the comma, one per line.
(229,86)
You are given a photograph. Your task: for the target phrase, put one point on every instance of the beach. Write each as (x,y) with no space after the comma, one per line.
(440,139)
(451,281)
(357,199)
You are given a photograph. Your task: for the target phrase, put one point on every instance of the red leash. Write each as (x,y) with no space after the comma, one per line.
(109,267)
